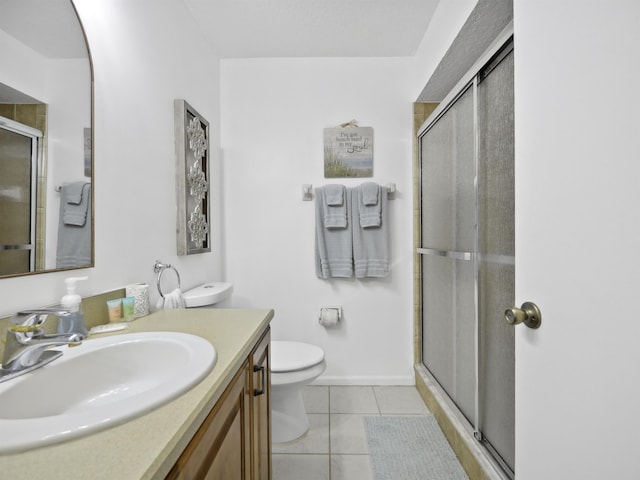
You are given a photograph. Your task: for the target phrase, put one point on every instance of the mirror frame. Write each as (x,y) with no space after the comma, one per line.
(92,106)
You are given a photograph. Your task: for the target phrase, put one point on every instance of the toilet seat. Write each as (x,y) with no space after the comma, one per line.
(289,356)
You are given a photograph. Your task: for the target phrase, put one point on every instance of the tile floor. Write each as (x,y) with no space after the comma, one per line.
(335,447)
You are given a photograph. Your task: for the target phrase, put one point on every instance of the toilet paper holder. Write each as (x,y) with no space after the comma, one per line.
(330,316)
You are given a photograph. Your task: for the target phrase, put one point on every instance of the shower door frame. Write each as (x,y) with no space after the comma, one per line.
(473,426)
(35,137)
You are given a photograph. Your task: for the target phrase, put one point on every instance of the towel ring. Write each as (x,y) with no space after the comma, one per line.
(160,268)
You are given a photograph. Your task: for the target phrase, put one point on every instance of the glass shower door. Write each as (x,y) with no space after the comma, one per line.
(496,261)
(448,241)
(17,201)
(467,254)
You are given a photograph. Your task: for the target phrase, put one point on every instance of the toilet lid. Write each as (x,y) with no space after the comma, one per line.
(290,356)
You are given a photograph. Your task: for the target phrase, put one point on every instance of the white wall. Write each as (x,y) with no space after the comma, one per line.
(64,85)
(69,113)
(21,67)
(273,115)
(140,67)
(577,231)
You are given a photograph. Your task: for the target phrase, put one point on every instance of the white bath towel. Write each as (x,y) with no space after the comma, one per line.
(369,205)
(171,300)
(334,206)
(370,244)
(333,246)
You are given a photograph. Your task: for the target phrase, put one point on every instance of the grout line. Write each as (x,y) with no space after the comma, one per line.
(373,390)
(331,415)
(309,454)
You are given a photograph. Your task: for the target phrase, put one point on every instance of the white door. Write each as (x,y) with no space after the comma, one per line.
(577,168)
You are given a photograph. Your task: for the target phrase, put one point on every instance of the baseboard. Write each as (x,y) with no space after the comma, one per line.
(368,380)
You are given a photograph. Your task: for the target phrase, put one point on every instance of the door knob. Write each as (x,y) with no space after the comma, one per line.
(528,313)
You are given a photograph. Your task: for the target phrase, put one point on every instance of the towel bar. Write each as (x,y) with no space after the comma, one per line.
(160,268)
(307,191)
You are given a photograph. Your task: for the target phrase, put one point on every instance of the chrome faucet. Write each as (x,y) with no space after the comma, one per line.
(27,345)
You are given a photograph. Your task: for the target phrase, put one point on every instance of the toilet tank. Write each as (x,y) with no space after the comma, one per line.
(207,294)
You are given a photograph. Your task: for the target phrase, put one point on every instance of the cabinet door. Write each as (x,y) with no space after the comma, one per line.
(261,410)
(221,447)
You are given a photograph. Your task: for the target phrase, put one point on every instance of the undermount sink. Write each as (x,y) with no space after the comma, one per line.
(99,384)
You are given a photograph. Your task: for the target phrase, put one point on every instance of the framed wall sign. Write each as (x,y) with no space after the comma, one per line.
(348,151)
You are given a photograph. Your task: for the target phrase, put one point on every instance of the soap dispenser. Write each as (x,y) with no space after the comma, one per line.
(72,302)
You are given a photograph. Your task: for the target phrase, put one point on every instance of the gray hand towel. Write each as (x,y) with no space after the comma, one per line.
(72,192)
(333,246)
(334,207)
(75,205)
(74,241)
(369,212)
(334,194)
(370,245)
(370,192)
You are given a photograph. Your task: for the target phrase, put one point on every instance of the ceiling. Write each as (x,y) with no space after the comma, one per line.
(313,28)
(252,28)
(287,28)
(49,27)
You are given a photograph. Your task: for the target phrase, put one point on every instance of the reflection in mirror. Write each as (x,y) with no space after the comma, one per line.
(46,155)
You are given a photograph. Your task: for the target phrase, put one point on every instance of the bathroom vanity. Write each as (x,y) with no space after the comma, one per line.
(218,429)
(234,442)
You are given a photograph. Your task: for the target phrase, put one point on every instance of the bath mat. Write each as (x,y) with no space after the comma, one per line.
(410,448)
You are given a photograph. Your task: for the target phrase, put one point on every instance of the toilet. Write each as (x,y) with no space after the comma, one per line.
(293,366)
(207,295)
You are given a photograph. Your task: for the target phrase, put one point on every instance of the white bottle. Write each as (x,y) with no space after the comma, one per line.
(72,302)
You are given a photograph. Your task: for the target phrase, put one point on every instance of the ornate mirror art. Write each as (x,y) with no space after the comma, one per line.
(46,147)
(192,179)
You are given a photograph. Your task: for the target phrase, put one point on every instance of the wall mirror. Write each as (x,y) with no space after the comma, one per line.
(46,139)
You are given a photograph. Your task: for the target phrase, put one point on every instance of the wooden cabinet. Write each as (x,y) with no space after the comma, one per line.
(261,410)
(234,441)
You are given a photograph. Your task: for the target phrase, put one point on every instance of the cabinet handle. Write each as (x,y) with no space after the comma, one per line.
(261,369)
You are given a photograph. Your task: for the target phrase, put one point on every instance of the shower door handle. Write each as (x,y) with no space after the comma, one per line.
(528,313)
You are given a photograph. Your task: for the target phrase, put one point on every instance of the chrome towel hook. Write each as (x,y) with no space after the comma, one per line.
(160,268)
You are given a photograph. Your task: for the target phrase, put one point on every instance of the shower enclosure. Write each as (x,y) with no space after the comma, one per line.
(466,153)
(18,179)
